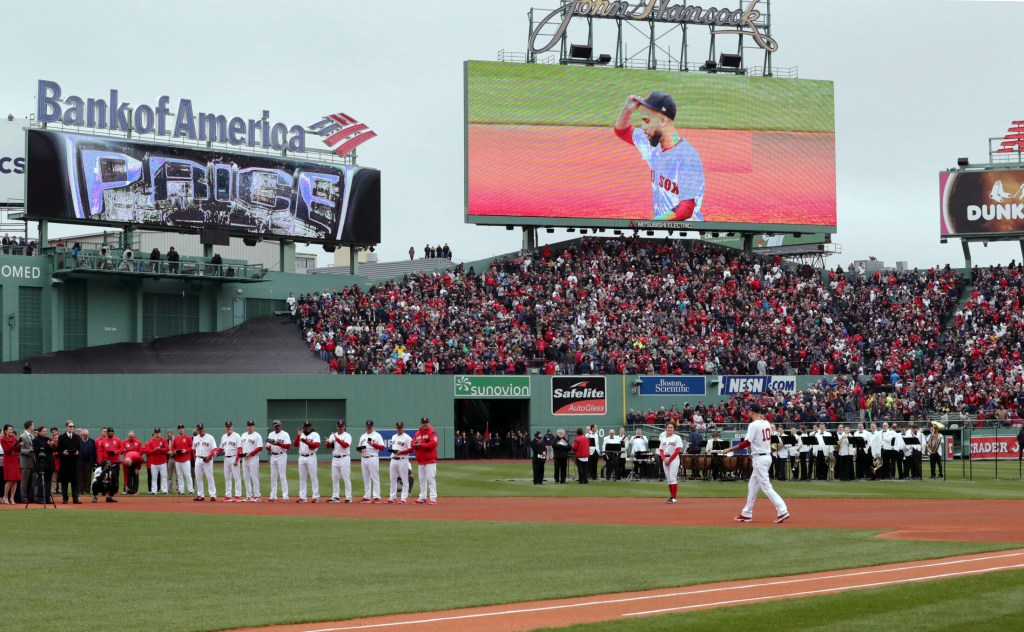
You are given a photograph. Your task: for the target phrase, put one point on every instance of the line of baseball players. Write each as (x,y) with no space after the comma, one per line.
(241,462)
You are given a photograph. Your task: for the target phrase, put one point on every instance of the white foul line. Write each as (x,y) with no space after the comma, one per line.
(823,591)
(598,602)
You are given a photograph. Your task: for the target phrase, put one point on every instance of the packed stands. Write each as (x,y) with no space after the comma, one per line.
(637,306)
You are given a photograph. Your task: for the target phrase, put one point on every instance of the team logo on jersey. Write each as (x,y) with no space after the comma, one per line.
(578,396)
(342,133)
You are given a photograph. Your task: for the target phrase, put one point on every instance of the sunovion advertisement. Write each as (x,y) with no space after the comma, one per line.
(756,384)
(12,161)
(578,395)
(567,145)
(89,179)
(982,202)
(673,385)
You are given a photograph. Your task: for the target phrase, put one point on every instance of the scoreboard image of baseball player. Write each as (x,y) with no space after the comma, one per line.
(677,176)
(725,150)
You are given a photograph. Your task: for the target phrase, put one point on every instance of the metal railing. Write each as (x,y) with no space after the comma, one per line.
(66,261)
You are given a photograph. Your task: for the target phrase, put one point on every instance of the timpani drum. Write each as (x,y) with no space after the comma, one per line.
(746,466)
(702,464)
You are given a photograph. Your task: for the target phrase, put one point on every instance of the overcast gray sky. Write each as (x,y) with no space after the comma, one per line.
(918,83)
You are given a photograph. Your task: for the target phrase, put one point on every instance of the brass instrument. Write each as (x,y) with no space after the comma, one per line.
(934,442)
(876,463)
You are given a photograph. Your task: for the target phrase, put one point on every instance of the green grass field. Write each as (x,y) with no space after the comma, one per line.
(979,604)
(115,570)
(541,94)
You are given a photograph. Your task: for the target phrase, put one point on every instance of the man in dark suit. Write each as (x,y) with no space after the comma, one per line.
(27,461)
(86,462)
(68,446)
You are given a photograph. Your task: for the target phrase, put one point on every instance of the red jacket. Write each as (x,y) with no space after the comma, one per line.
(132,445)
(425,443)
(109,449)
(581,447)
(155,451)
(184,443)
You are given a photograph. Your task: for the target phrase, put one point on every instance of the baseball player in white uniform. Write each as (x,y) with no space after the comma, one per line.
(369,446)
(341,463)
(400,446)
(308,442)
(278,443)
(670,451)
(758,439)
(205,448)
(677,174)
(229,444)
(252,445)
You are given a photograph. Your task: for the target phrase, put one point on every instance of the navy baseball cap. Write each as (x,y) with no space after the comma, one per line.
(757,408)
(660,102)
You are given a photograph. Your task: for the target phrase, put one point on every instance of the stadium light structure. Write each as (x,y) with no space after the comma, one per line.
(730,60)
(962,161)
(583,54)
(509,227)
(551,230)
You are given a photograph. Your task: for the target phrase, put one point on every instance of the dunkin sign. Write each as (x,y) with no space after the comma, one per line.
(578,395)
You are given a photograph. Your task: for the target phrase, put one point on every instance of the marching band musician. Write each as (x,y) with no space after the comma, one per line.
(804,443)
(793,454)
(904,454)
(845,460)
(820,450)
(637,450)
(611,458)
(889,453)
(779,453)
(914,462)
(935,447)
(876,452)
(899,450)
(862,458)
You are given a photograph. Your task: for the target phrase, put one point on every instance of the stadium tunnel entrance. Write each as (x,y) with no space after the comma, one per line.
(498,415)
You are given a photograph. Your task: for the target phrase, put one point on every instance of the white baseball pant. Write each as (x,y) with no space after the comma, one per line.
(341,469)
(671,470)
(232,475)
(371,477)
(204,469)
(428,481)
(759,480)
(307,467)
(278,471)
(183,472)
(251,476)
(158,478)
(399,470)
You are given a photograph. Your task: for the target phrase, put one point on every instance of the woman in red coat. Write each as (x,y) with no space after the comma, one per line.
(12,463)
(581,448)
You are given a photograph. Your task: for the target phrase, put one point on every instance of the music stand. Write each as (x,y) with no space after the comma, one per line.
(611,459)
(788,440)
(858,442)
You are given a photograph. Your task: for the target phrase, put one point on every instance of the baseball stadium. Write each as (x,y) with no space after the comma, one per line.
(652,380)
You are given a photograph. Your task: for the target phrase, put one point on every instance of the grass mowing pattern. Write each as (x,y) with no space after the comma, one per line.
(539,94)
(981,603)
(205,572)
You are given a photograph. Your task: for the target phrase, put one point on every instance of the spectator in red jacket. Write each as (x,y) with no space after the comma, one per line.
(581,448)
(156,450)
(425,443)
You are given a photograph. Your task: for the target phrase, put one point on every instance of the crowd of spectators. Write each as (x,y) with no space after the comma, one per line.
(631,306)
(432,252)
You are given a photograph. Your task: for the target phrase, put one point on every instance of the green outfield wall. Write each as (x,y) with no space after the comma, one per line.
(142,402)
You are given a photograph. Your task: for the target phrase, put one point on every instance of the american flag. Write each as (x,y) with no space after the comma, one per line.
(342,133)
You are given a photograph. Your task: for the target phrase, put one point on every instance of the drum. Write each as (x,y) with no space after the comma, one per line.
(745,466)
(687,464)
(730,463)
(702,464)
